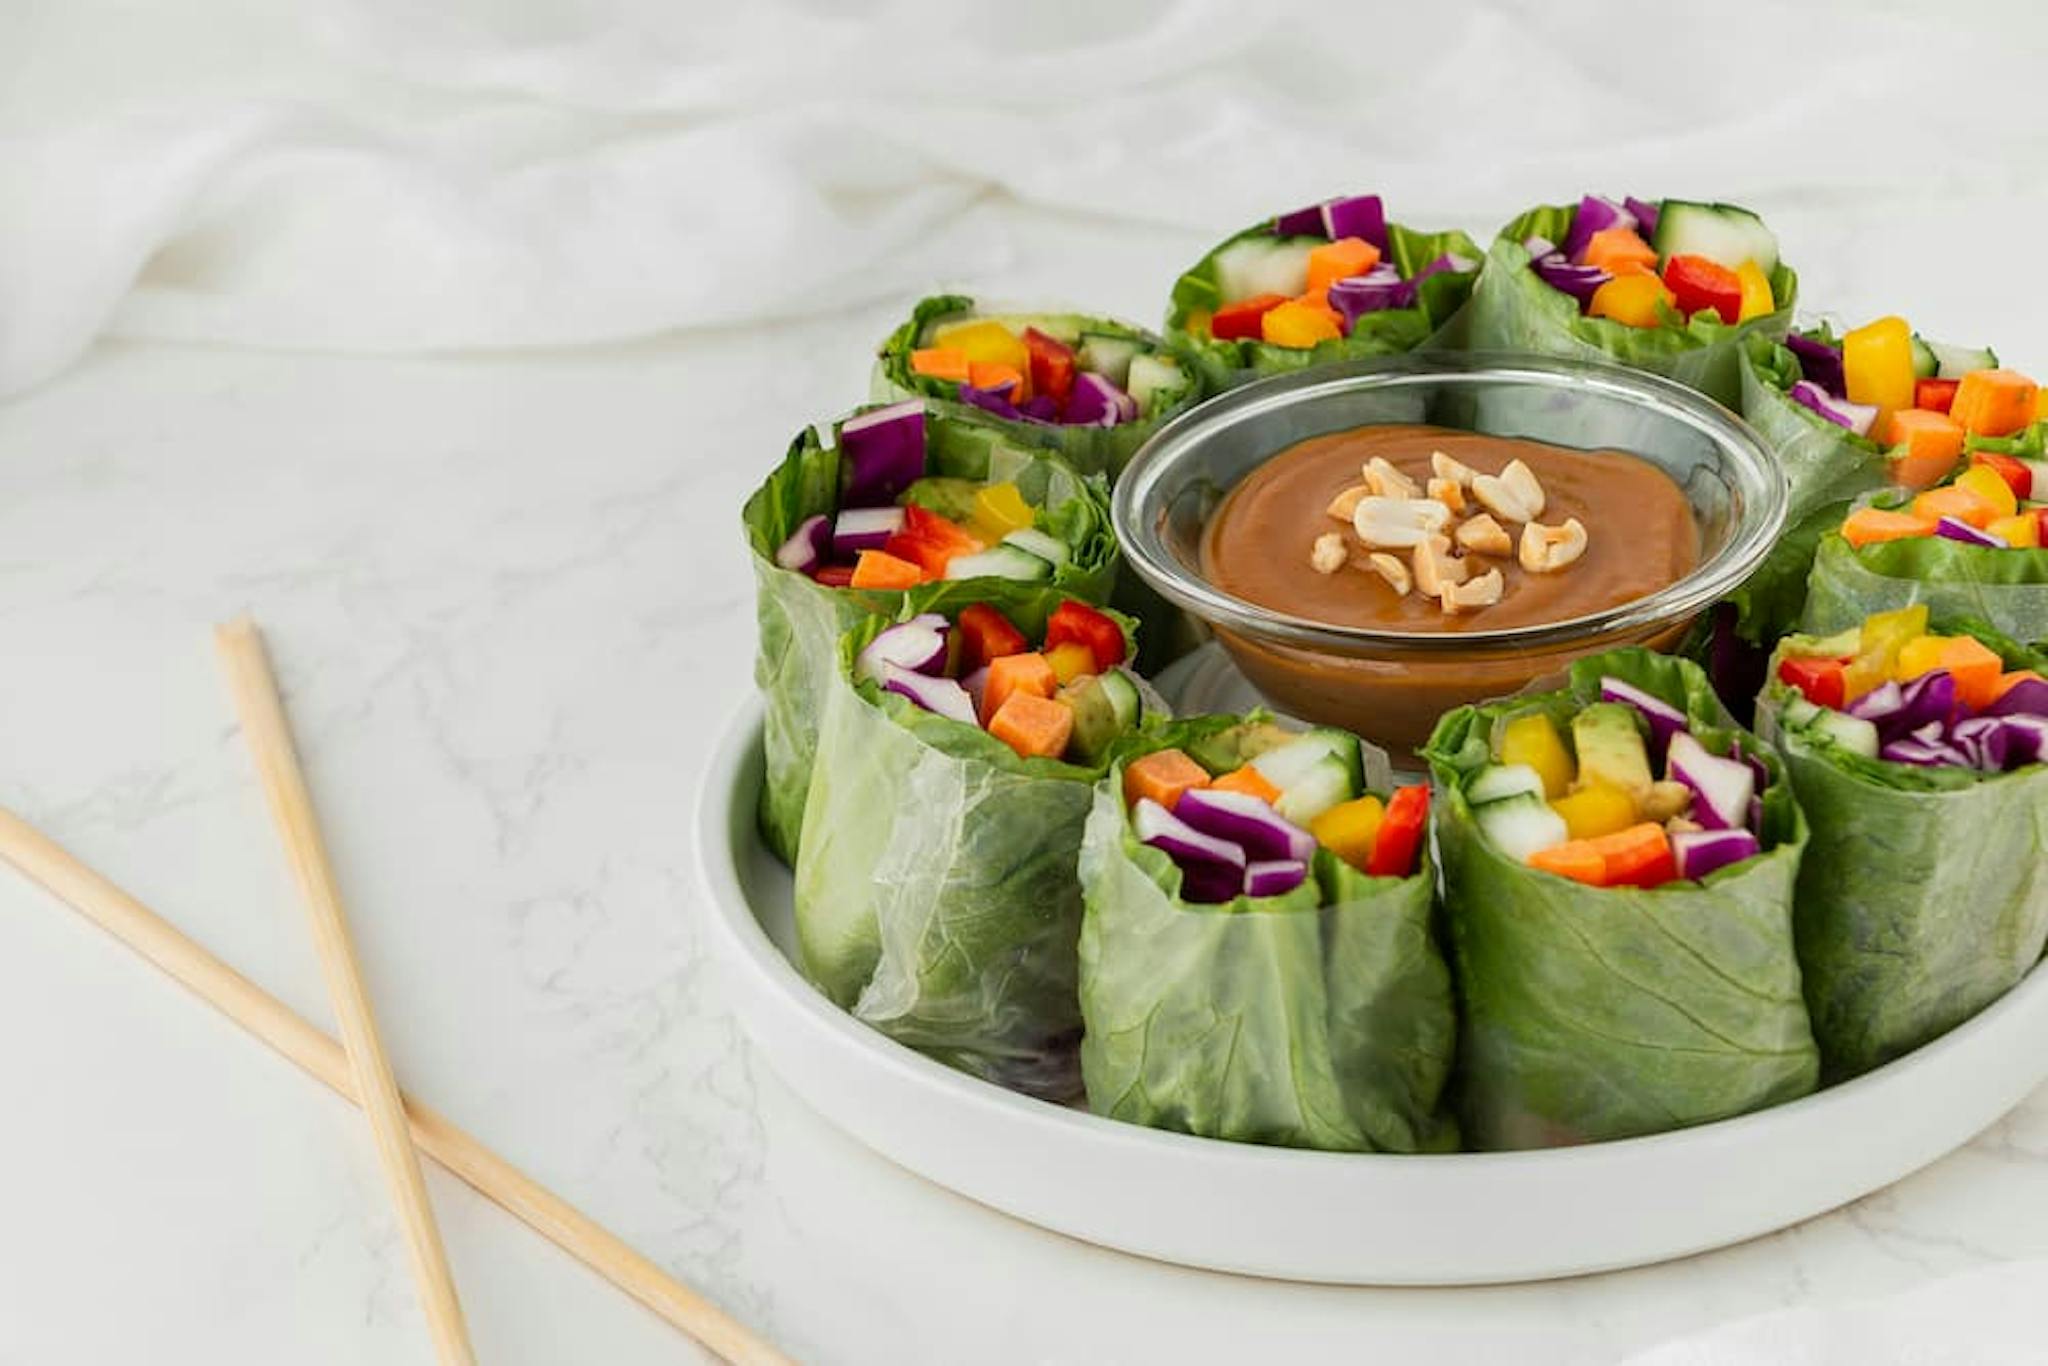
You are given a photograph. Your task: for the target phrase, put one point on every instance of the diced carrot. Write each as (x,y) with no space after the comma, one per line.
(1975,667)
(2006,682)
(1994,402)
(1965,505)
(1036,727)
(1620,251)
(1026,673)
(1340,260)
(1639,856)
(991,374)
(880,569)
(1933,443)
(1163,775)
(940,362)
(1250,782)
(1868,526)
(1575,859)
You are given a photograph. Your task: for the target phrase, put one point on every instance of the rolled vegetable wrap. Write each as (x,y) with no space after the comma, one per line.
(1257,959)
(936,893)
(1915,746)
(1092,389)
(901,506)
(1671,287)
(1623,940)
(1333,281)
(1792,394)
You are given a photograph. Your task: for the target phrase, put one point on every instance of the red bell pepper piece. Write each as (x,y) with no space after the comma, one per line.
(1400,833)
(2016,475)
(985,633)
(1082,624)
(1245,318)
(929,541)
(834,575)
(1823,681)
(1052,364)
(1697,283)
(1935,395)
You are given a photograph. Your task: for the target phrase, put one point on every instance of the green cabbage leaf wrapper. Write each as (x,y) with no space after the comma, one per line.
(1514,310)
(1923,897)
(936,892)
(1603,1013)
(801,621)
(1824,464)
(1385,332)
(1322,1018)
(1091,450)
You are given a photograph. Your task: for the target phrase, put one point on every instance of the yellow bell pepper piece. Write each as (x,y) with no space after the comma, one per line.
(999,509)
(1070,660)
(1300,324)
(1878,646)
(1594,810)
(1533,740)
(1984,481)
(1636,300)
(2021,531)
(1349,829)
(1877,364)
(1757,298)
(1923,654)
(985,340)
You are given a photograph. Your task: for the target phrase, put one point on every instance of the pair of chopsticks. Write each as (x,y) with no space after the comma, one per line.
(357,1067)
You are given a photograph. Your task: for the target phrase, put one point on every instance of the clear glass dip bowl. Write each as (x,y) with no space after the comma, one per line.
(1391,685)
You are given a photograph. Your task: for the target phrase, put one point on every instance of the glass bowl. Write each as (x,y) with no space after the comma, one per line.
(1390,686)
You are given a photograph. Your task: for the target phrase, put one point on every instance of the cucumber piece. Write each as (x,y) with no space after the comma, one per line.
(1124,698)
(952,499)
(1154,381)
(1521,825)
(1723,233)
(1264,265)
(1327,782)
(1500,782)
(1924,362)
(1851,733)
(1109,356)
(1287,764)
(1104,706)
(1798,712)
(999,562)
(1061,327)
(1953,362)
(1033,542)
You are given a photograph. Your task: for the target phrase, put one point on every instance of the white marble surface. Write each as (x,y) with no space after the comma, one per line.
(510,605)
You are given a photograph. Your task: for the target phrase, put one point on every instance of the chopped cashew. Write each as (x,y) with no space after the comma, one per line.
(1483,591)
(1446,468)
(1388,482)
(1398,523)
(1484,536)
(1390,568)
(1344,504)
(1449,492)
(1547,549)
(1667,801)
(1329,554)
(1512,495)
(1436,569)
(1679,825)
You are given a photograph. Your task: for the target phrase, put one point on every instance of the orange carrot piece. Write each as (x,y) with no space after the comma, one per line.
(1975,667)
(1621,251)
(1868,526)
(940,362)
(1162,775)
(1933,444)
(1339,260)
(1028,673)
(1250,782)
(993,374)
(1036,727)
(1994,402)
(879,569)
(1639,856)
(1965,505)
(1575,859)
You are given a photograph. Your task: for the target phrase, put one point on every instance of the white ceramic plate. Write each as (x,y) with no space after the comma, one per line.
(1460,1219)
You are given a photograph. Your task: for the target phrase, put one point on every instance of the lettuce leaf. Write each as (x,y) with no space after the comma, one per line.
(1824,464)
(2006,589)
(1514,310)
(1923,896)
(1318,1019)
(801,621)
(1602,1013)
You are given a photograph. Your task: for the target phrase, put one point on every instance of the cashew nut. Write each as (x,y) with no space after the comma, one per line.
(1512,495)
(1667,801)
(1390,568)
(1387,481)
(1484,536)
(1473,594)
(1329,554)
(1344,504)
(1435,569)
(1547,549)
(1449,492)
(1398,523)
(1456,471)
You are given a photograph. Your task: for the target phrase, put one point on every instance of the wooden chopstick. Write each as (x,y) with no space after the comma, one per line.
(269,737)
(49,865)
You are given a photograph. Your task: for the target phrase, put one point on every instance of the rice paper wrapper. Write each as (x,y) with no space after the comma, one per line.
(800,621)
(1435,321)
(1318,1019)
(1514,310)
(2007,589)
(1604,1013)
(1923,896)
(1824,464)
(936,892)
(1091,450)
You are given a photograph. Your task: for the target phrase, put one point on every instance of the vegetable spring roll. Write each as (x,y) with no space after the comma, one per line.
(1092,389)
(1257,961)
(1916,748)
(1333,281)
(936,893)
(901,506)
(1670,287)
(1619,861)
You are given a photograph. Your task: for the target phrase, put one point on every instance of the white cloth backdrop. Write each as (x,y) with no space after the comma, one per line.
(386,175)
